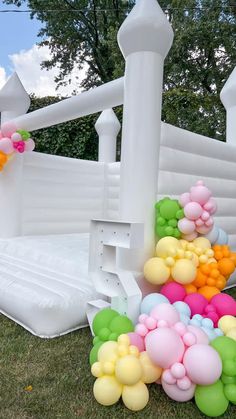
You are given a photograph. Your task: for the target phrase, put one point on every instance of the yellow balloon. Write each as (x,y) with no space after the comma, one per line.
(184,271)
(128,370)
(135,397)
(96,369)
(167,246)
(108,352)
(151,372)
(202,242)
(226,323)
(107,390)
(156,272)
(232,333)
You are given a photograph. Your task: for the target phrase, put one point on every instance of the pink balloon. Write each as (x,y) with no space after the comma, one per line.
(184,199)
(173,291)
(224,304)
(192,210)
(203,364)
(137,341)
(6,146)
(186,226)
(16,137)
(164,346)
(199,222)
(165,312)
(204,229)
(190,237)
(211,206)
(205,216)
(200,193)
(197,303)
(175,393)
(201,336)
(29,145)
(8,129)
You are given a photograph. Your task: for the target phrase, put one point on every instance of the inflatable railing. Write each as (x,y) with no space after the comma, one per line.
(47,195)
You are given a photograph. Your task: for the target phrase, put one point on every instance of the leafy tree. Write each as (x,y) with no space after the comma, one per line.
(202,56)
(76,138)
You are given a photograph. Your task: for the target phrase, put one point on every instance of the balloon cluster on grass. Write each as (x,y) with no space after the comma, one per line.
(13,140)
(185,338)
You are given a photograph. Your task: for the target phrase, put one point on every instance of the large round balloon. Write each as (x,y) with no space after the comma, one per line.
(155,271)
(203,364)
(165,312)
(152,300)
(135,397)
(107,390)
(164,346)
(211,400)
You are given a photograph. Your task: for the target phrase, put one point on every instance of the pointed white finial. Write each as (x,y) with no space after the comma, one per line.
(14,100)
(107,127)
(228,98)
(145,29)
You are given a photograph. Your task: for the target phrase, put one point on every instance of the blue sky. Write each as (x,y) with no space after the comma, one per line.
(17,32)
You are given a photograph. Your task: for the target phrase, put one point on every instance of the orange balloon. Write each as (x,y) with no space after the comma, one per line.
(226,266)
(190,288)
(208,292)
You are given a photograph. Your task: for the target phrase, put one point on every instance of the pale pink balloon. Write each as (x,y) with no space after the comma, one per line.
(199,222)
(201,336)
(168,377)
(211,206)
(164,347)
(186,226)
(175,393)
(16,137)
(0,135)
(192,211)
(184,199)
(137,341)
(200,193)
(29,145)
(6,146)
(203,229)
(8,128)
(203,364)
(209,222)
(165,312)
(190,237)
(205,216)
(178,370)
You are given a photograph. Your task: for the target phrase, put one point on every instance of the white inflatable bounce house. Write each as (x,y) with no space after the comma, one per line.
(74,234)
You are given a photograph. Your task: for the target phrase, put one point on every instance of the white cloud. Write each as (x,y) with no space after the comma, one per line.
(35,80)
(3,77)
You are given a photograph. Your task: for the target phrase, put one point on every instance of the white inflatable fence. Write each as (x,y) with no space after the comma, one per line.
(47,275)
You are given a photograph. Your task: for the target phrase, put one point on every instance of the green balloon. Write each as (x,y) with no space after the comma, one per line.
(226,379)
(169,208)
(25,135)
(104,334)
(93,356)
(172,222)
(226,347)
(211,399)
(121,324)
(169,231)
(113,336)
(230,392)
(160,231)
(103,319)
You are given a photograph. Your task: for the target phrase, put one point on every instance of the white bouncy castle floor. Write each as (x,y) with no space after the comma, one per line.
(44,282)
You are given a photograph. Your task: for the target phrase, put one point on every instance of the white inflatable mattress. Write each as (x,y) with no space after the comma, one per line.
(44,284)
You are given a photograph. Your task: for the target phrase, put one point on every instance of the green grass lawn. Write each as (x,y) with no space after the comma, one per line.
(59,374)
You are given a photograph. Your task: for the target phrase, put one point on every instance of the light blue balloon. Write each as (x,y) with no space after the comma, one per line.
(222,237)
(208,323)
(182,307)
(219,332)
(152,300)
(197,317)
(184,319)
(195,322)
